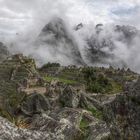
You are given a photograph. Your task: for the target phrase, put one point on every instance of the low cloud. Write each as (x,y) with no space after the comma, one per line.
(21,21)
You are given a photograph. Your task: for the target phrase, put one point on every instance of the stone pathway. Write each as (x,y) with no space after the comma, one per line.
(40,90)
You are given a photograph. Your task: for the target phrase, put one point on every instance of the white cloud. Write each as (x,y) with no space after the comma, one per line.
(20,12)
(28,17)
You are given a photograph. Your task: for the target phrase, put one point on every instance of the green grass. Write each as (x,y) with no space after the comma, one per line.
(96,80)
(116,88)
(63,80)
(83,124)
(11,100)
(96,113)
(7,115)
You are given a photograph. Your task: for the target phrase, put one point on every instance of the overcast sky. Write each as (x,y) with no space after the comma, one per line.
(18,16)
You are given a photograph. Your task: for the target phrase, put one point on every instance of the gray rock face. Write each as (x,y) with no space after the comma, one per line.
(122,114)
(59,125)
(72,115)
(74,99)
(100,129)
(70,98)
(43,127)
(98,43)
(47,129)
(35,104)
(9,131)
(129,32)
(78,27)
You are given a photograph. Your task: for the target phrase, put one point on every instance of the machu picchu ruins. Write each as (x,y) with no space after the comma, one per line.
(71,98)
(69,70)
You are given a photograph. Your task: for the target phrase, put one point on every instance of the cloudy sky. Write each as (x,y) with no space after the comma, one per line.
(18,16)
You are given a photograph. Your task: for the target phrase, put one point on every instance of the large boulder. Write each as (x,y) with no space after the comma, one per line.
(98,130)
(70,97)
(35,104)
(9,131)
(60,124)
(72,115)
(71,124)
(44,128)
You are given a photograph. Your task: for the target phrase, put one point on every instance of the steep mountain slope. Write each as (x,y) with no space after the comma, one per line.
(97,45)
(60,43)
(106,45)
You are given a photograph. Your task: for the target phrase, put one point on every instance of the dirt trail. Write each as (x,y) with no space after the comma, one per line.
(40,90)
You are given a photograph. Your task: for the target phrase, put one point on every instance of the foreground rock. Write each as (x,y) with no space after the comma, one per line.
(65,124)
(122,114)
(62,111)
(52,130)
(34,104)
(70,97)
(10,132)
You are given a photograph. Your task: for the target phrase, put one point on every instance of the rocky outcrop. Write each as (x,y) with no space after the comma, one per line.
(11,132)
(65,124)
(75,98)
(16,73)
(18,68)
(100,129)
(35,104)
(47,129)
(78,27)
(122,114)
(70,97)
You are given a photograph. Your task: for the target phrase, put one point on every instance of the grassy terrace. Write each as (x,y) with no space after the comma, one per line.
(63,80)
(96,80)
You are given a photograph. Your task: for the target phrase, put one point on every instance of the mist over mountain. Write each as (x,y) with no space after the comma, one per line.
(69,70)
(57,40)
(92,45)
(102,45)
(112,45)
(81,32)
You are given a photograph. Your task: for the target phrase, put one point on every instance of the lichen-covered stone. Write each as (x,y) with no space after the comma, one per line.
(70,97)
(35,104)
(122,114)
